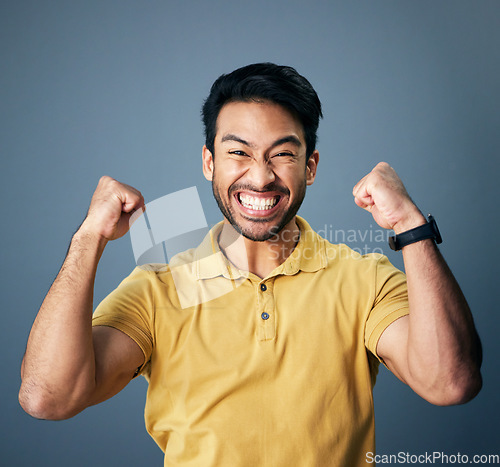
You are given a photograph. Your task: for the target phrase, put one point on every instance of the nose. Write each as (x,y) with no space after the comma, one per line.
(261,174)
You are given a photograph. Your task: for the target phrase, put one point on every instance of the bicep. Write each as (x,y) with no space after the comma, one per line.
(392,347)
(117,358)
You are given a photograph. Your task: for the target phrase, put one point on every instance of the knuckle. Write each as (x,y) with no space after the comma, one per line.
(105,179)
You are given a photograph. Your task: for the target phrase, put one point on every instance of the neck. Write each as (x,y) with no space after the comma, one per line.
(259,258)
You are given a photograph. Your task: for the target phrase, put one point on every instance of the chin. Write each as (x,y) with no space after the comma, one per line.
(255,225)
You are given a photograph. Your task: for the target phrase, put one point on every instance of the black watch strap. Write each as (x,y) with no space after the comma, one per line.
(422,232)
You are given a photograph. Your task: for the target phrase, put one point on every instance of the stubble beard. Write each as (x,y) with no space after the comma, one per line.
(272,232)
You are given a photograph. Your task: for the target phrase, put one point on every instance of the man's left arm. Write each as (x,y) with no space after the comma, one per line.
(435,349)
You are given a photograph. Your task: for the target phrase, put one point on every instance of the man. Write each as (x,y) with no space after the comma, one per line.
(280,369)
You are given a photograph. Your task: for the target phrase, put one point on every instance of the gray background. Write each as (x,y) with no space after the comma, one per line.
(115,87)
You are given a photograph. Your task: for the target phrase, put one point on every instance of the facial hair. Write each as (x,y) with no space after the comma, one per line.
(228,213)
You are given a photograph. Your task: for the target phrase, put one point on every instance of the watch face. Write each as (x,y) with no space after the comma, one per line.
(393,243)
(435,230)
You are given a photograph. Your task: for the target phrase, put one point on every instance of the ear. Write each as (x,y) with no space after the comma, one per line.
(208,163)
(311,167)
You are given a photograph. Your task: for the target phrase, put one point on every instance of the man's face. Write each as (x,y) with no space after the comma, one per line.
(259,173)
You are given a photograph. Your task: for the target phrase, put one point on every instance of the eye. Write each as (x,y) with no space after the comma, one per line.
(238,153)
(284,154)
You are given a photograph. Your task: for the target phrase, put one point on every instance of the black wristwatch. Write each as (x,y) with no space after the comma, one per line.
(422,232)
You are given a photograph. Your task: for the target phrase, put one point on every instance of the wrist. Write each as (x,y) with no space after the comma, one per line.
(89,238)
(429,230)
(412,220)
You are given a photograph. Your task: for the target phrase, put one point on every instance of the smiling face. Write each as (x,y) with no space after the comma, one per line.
(259,173)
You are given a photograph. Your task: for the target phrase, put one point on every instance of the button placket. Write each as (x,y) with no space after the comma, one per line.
(266,315)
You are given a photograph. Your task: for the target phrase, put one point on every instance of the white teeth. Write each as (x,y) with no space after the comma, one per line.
(257,204)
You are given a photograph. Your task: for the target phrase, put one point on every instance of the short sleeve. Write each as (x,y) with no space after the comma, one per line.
(390,304)
(130,309)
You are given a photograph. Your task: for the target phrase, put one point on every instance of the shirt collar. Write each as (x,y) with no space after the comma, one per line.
(211,262)
(309,255)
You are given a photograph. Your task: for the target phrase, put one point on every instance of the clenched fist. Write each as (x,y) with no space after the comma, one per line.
(383,194)
(110,209)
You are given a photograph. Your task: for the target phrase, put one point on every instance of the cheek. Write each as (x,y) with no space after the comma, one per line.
(228,173)
(292,176)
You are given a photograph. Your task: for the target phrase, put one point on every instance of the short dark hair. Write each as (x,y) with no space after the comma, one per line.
(265,82)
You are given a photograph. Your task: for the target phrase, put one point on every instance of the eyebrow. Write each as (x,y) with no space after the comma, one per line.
(237,139)
(286,139)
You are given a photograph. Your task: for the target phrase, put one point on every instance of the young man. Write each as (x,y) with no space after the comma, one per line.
(280,369)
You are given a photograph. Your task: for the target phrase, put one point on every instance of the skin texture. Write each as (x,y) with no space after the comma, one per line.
(435,349)
(68,365)
(259,152)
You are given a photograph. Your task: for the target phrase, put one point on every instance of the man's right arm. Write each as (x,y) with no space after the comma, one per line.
(68,365)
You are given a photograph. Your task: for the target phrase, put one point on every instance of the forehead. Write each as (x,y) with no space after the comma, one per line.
(257,119)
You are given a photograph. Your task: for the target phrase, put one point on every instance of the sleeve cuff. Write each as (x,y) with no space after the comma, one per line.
(132,331)
(375,333)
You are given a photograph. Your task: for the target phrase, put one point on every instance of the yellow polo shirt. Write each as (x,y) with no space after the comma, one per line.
(253,372)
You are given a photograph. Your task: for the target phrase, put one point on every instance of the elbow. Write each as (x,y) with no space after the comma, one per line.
(466,381)
(457,391)
(467,389)
(42,406)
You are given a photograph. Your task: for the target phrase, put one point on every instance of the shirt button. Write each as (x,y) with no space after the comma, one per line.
(264,316)
(263,287)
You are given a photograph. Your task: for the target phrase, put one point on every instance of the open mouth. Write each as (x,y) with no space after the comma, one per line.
(264,204)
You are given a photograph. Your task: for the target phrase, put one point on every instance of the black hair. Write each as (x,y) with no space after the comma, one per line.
(265,82)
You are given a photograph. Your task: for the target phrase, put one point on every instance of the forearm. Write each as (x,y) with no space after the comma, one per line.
(58,370)
(443,349)
(435,349)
